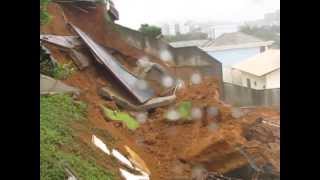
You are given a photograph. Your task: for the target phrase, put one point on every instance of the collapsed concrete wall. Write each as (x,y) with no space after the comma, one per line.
(184,58)
(150,45)
(243,96)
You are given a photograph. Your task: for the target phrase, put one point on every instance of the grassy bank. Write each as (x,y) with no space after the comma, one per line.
(56,114)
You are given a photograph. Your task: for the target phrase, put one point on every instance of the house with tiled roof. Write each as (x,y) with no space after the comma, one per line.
(232,48)
(258,72)
(229,48)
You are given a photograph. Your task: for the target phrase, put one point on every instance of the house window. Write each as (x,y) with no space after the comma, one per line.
(255,83)
(248,83)
(264,86)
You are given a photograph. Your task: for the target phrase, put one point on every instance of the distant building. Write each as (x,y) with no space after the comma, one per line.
(229,48)
(259,72)
(268,20)
(217,30)
(177,29)
(173,29)
(165,29)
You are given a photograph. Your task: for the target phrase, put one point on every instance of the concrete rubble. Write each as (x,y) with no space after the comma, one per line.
(221,138)
(72,45)
(126,104)
(49,86)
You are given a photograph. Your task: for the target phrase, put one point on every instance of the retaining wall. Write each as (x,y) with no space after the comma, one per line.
(243,96)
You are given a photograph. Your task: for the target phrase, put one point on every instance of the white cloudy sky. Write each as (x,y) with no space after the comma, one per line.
(135,12)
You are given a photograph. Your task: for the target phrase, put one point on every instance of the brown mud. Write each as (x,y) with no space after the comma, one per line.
(169,149)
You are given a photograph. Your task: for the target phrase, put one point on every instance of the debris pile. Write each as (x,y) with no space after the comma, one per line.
(174,126)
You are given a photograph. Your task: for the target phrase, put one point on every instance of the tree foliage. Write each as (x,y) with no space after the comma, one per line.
(264,32)
(150,30)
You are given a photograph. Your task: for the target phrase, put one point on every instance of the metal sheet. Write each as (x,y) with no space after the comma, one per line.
(63,41)
(129,81)
(120,100)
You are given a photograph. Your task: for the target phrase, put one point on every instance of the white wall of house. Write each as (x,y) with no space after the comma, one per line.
(257,82)
(239,78)
(273,79)
(227,76)
(232,76)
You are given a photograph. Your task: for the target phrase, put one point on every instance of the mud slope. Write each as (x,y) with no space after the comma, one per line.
(170,150)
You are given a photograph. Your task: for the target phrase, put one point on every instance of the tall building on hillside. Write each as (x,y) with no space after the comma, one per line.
(268,20)
(177,29)
(165,29)
(217,30)
(174,28)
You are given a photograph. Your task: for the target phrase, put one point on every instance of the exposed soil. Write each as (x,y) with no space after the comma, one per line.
(169,149)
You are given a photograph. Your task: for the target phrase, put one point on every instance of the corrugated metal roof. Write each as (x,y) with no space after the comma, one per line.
(261,64)
(226,41)
(198,43)
(128,80)
(235,38)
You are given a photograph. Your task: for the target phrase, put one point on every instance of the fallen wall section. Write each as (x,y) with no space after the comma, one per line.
(181,57)
(49,85)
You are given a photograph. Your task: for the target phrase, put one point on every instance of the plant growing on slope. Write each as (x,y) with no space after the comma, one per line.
(129,121)
(44,15)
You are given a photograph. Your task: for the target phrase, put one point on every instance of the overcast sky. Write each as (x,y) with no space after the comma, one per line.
(136,12)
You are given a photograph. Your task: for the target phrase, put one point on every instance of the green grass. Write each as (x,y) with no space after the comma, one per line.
(129,121)
(56,114)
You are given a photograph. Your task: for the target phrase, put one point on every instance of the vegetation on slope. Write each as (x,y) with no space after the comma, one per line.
(56,114)
(264,32)
(54,69)
(123,117)
(44,15)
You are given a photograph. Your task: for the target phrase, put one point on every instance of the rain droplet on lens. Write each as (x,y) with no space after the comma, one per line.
(196,113)
(172,115)
(142,117)
(196,78)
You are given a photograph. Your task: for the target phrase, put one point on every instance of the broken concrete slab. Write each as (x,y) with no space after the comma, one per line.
(62,41)
(49,85)
(80,59)
(129,176)
(72,45)
(115,153)
(127,79)
(121,101)
(137,160)
(160,79)
(99,143)
(70,175)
